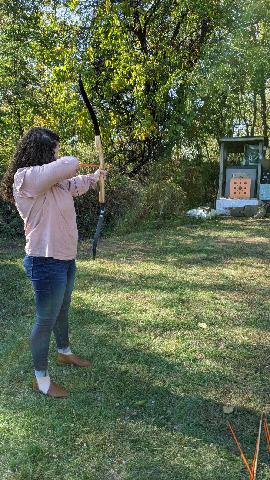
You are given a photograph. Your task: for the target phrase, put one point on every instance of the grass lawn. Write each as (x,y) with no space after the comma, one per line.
(176,322)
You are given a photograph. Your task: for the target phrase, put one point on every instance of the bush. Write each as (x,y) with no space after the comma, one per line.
(11,224)
(155,205)
(121,194)
(173,185)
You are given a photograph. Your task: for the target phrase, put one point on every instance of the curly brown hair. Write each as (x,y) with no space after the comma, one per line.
(35,148)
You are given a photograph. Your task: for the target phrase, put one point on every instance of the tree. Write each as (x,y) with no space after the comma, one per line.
(140,77)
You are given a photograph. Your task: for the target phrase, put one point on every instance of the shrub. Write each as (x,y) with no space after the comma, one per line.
(11,224)
(156,203)
(121,194)
(174,184)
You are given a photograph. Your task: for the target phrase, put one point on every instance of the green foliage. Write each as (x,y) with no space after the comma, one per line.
(121,196)
(155,204)
(164,77)
(142,76)
(196,172)
(11,225)
(185,178)
(129,70)
(229,88)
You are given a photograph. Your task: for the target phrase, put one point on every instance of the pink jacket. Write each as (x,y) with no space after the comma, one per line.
(44,199)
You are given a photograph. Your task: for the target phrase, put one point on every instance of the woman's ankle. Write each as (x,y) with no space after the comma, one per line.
(43,380)
(65,350)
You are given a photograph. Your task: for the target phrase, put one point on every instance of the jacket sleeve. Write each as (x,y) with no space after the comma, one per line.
(39,179)
(79,185)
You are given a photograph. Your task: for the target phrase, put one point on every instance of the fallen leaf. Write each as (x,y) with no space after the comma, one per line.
(228,409)
(140,403)
(202,325)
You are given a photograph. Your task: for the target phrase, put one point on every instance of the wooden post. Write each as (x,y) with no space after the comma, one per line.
(221,170)
(259,171)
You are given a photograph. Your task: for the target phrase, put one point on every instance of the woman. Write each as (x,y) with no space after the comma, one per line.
(42,186)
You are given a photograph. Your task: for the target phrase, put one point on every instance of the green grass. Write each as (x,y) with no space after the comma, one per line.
(176,322)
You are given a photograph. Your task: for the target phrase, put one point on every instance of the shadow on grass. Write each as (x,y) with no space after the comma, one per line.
(143,413)
(197,243)
(249,304)
(137,414)
(140,409)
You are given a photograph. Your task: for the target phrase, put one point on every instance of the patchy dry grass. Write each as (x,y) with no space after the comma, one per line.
(177,324)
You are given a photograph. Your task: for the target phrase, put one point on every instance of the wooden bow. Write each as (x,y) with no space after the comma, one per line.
(99,148)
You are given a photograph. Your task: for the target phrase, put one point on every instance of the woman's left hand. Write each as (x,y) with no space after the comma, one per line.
(99,172)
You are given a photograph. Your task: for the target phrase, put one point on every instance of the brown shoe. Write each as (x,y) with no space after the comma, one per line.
(73,360)
(55,390)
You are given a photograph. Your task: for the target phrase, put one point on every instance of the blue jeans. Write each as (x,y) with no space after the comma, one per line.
(53,282)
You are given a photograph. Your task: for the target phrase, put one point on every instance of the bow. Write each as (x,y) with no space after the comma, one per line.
(101,165)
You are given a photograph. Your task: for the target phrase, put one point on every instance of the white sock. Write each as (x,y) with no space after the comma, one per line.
(65,351)
(43,381)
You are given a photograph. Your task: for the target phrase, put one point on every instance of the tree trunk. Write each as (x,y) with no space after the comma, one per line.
(264,111)
(254,120)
